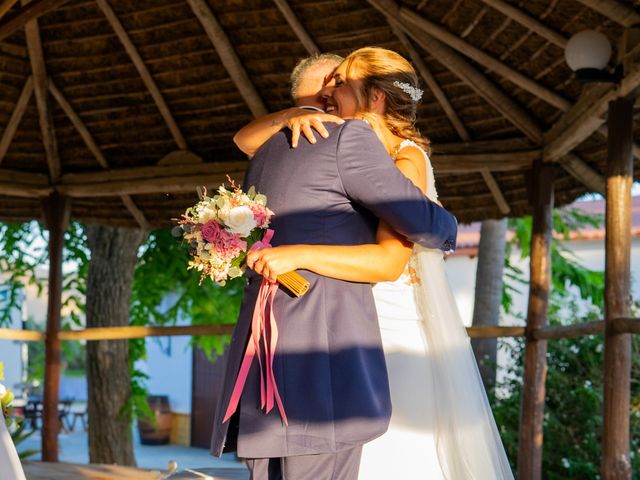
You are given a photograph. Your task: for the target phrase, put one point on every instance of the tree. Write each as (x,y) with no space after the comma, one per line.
(488,295)
(111,272)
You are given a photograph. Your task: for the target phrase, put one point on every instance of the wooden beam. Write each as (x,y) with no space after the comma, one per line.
(93,147)
(24,190)
(586,116)
(510,145)
(478,82)
(503,206)
(409,17)
(493,161)
(38,69)
(27,178)
(56,211)
(147,186)
(582,172)
(148,80)
(528,21)
(16,117)
(635,148)
(492,332)
(14,50)
(625,325)
(616,462)
(569,331)
(135,212)
(136,174)
(297,27)
(430,80)
(124,333)
(228,56)
(30,12)
(5,6)
(78,124)
(616,11)
(156,179)
(535,362)
(21,335)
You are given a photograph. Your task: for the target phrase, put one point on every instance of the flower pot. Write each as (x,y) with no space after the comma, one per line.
(159,433)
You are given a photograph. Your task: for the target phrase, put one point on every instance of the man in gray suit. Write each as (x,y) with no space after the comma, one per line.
(329,365)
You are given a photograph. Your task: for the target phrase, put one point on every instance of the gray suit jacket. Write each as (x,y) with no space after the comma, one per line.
(329,364)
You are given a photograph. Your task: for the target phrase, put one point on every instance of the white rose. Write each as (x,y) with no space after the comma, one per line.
(205,214)
(3,390)
(241,221)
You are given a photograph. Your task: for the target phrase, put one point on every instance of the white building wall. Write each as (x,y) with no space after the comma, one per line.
(10,350)
(169,366)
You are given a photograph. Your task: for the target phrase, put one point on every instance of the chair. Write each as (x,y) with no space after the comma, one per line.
(64,409)
(79,411)
(32,412)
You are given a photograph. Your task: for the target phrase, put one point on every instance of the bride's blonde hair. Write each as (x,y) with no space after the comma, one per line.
(382,69)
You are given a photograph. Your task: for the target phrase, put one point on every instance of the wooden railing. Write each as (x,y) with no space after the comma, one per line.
(618,325)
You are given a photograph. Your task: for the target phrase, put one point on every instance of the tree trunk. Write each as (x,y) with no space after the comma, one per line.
(113,261)
(488,295)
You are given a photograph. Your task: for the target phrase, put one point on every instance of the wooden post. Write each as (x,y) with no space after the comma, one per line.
(617,347)
(535,363)
(56,210)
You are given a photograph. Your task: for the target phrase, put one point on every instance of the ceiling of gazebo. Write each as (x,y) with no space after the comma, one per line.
(126,106)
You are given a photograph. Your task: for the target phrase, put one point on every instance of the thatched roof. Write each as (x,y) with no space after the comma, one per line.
(96,95)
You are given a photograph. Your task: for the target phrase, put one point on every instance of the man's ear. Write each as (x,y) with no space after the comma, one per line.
(376,100)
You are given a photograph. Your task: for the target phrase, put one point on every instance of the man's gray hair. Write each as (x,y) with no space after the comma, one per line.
(303,65)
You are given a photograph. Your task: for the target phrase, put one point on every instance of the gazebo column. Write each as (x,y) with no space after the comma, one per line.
(535,363)
(617,346)
(56,210)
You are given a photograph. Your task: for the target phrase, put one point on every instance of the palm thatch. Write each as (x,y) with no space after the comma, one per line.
(126,106)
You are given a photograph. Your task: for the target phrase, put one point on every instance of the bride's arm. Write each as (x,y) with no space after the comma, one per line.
(253,135)
(383,261)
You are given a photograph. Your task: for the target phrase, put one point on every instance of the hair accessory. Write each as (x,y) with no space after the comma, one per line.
(413,92)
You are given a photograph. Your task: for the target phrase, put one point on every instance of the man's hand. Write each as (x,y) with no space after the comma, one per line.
(304,121)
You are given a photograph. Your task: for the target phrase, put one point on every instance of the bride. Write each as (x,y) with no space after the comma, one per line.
(441,426)
(10,467)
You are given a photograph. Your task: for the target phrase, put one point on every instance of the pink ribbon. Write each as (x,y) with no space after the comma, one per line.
(262,343)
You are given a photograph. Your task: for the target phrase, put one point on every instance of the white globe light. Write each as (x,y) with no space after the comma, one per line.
(587,49)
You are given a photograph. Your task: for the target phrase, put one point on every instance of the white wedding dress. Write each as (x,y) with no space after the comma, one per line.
(441,427)
(10,467)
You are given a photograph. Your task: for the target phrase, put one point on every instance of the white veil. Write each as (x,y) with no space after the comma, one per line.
(467,439)
(10,467)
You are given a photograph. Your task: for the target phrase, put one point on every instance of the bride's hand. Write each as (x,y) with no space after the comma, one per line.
(271,262)
(304,121)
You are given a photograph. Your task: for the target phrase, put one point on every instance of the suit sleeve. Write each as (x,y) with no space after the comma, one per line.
(371,179)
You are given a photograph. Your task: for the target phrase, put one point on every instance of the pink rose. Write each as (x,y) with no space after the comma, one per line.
(211,231)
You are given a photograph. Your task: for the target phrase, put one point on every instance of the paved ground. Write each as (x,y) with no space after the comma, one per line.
(74,449)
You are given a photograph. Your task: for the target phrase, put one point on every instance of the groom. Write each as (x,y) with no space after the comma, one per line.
(329,366)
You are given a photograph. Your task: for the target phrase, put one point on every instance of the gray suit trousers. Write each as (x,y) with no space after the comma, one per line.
(343,465)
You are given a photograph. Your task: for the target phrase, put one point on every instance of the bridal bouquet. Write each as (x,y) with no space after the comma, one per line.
(6,397)
(222,229)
